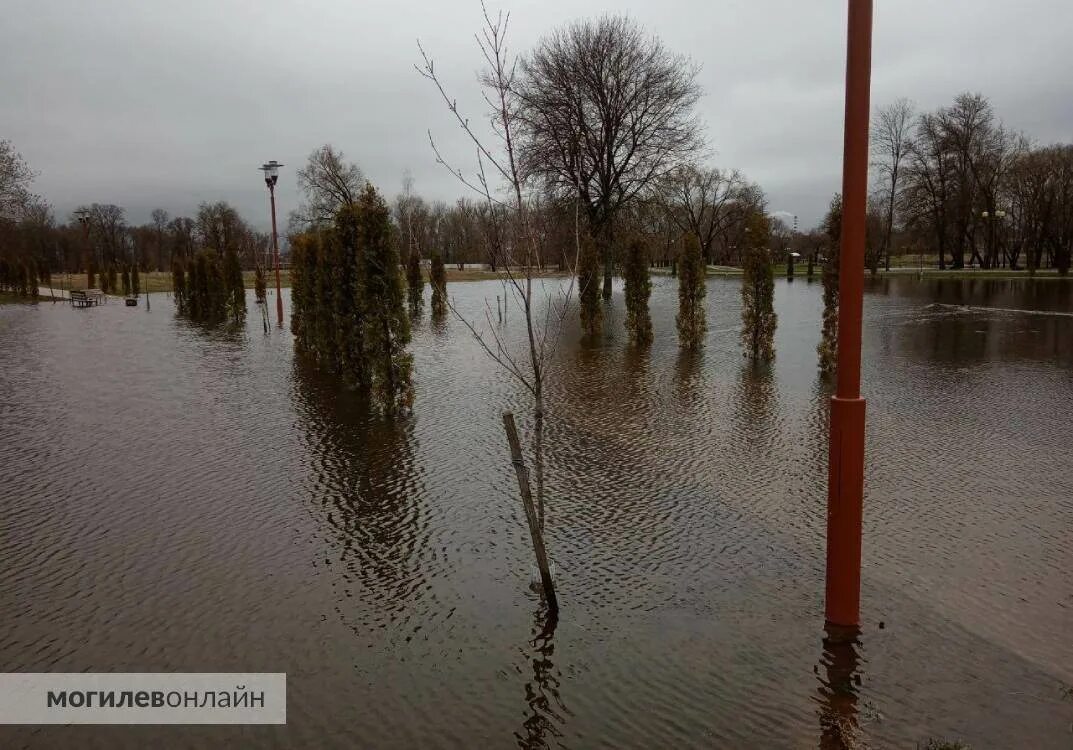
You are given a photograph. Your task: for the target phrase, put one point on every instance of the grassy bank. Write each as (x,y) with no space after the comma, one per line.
(161,281)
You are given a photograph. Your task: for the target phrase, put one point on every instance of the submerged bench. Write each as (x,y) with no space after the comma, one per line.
(86,297)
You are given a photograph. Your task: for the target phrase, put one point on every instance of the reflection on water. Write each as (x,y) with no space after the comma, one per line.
(838,692)
(363,483)
(546,713)
(182,498)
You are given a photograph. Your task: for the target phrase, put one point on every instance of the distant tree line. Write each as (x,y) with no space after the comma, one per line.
(958,183)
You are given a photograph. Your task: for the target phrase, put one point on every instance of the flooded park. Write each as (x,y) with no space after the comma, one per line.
(185,498)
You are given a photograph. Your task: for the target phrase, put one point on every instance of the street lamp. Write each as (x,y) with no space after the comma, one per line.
(83,218)
(271,170)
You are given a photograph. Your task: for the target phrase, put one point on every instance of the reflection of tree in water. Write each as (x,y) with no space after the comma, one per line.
(364,485)
(837,694)
(687,375)
(757,398)
(546,712)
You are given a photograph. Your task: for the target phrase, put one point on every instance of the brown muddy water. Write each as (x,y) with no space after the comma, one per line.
(180,499)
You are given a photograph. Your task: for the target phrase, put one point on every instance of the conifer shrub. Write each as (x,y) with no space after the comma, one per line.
(691,291)
(758,316)
(234,287)
(588,279)
(386,328)
(260,284)
(828,346)
(350,315)
(438,280)
(415,285)
(638,290)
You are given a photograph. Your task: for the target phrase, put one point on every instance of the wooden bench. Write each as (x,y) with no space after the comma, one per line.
(86,297)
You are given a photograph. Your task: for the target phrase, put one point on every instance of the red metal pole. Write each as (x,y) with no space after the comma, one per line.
(275,249)
(845,476)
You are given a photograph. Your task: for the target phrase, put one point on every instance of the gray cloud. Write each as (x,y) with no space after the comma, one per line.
(150,104)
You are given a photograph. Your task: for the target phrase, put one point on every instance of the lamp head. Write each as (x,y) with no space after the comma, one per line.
(271,170)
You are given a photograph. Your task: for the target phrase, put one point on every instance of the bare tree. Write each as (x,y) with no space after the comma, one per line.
(929,189)
(606,109)
(706,201)
(510,206)
(329,183)
(892,129)
(160,233)
(513,236)
(107,231)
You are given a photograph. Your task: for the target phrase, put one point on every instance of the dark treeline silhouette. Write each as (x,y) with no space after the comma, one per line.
(959,184)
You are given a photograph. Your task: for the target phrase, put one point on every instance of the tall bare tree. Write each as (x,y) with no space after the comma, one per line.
(605,109)
(510,203)
(707,201)
(892,129)
(329,182)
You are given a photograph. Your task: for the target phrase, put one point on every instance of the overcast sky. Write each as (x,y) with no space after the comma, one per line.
(146,103)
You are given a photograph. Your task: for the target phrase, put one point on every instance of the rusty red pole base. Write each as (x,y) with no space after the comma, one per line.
(845,501)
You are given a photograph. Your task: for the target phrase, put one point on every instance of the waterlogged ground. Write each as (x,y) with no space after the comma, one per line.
(177,499)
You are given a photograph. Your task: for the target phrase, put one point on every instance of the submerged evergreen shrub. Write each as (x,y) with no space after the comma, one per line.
(691,291)
(234,287)
(638,290)
(260,284)
(387,330)
(438,280)
(588,291)
(758,316)
(828,346)
(349,311)
(415,285)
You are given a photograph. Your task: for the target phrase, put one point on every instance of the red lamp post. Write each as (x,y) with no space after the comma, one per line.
(271,170)
(845,476)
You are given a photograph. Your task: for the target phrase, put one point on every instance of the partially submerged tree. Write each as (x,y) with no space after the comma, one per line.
(605,109)
(415,283)
(638,290)
(758,316)
(691,290)
(385,327)
(349,305)
(260,284)
(438,281)
(588,277)
(828,346)
(509,200)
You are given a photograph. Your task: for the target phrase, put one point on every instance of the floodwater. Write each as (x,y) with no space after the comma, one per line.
(181,499)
